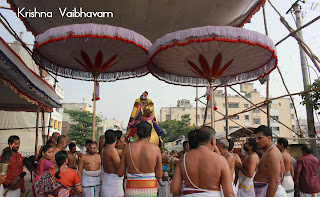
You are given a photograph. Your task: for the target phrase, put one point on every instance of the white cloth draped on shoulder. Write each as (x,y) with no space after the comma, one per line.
(91,183)
(112,185)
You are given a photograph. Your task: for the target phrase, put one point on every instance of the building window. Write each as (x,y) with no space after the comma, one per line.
(59,126)
(51,122)
(292,116)
(198,117)
(275,130)
(233,105)
(264,107)
(168,117)
(256,121)
(275,117)
(55,124)
(293,127)
(279,104)
(246,117)
(236,117)
(246,106)
(256,111)
(202,116)
(291,105)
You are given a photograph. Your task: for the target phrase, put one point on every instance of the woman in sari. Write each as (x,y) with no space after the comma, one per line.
(44,162)
(59,181)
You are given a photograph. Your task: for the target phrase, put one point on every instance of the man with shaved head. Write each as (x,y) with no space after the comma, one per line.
(62,143)
(223,146)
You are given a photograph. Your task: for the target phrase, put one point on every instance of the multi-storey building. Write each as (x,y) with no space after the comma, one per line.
(280,109)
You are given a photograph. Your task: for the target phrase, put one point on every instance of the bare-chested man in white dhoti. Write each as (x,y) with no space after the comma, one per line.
(248,169)
(223,146)
(89,171)
(287,181)
(201,170)
(112,184)
(270,167)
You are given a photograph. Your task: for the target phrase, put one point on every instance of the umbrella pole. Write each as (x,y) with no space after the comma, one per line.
(212,106)
(226,107)
(37,132)
(197,106)
(94,110)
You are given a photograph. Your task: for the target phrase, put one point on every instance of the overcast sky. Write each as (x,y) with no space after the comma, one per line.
(117,98)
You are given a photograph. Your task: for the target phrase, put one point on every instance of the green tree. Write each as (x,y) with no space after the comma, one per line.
(82,129)
(176,128)
(314,96)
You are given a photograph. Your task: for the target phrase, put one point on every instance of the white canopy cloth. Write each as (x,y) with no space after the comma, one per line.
(21,88)
(228,55)
(150,18)
(81,51)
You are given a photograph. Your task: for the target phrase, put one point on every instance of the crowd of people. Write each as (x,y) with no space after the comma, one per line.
(205,167)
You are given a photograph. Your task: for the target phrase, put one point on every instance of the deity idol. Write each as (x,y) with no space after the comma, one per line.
(143,110)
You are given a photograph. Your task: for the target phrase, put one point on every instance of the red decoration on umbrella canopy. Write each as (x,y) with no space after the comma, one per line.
(97,67)
(237,55)
(83,51)
(208,73)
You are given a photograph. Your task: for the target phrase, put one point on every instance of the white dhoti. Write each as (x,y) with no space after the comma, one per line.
(234,187)
(288,184)
(163,187)
(261,190)
(1,190)
(12,193)
(112,185)
(192,192)
(309,195)
(245,186)
(141,185)
(91,183)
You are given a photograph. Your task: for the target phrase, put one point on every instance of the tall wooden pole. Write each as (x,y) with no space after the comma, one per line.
(94,110)
(37,132)
(43,128)
(226,107)
(267,88)
(197,106)
(305,77)
(49,126)
(212,106)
